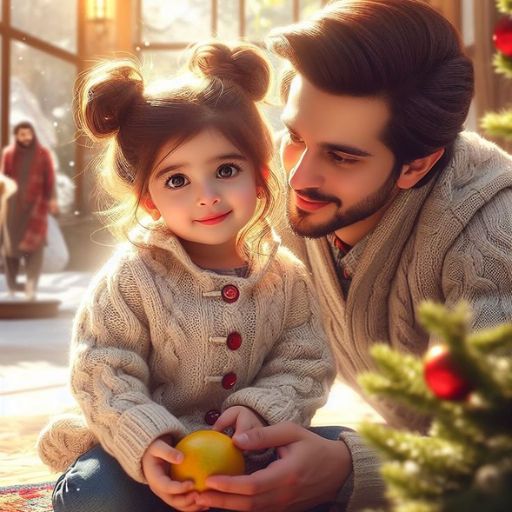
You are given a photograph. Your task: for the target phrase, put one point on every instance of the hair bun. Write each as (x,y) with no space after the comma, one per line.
(243,64)
(106,94)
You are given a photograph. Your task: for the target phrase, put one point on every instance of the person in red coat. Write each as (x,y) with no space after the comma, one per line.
(25,225)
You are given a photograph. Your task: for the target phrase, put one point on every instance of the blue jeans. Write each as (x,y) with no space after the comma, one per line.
(97,483)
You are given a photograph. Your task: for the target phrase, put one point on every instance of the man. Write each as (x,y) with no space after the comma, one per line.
(25,224)
(396,205)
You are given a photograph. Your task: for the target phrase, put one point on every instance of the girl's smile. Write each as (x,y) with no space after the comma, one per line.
(214,219)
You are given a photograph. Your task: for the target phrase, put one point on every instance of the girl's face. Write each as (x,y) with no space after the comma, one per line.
(205,189)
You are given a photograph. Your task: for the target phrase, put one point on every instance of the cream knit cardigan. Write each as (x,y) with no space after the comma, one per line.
(149,350)
(447,241)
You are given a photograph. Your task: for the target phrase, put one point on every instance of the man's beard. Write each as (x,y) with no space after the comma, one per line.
(25,144)
(299,219)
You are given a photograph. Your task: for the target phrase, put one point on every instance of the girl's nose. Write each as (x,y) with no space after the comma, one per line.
(208,197)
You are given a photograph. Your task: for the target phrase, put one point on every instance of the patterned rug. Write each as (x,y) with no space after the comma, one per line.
(26,498)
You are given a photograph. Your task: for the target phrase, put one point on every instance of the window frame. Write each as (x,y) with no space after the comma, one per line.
(10,34)
(214,9)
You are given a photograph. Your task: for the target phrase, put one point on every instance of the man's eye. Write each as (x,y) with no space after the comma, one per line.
(227,171)
(341,159)
(176,181)
(295,138)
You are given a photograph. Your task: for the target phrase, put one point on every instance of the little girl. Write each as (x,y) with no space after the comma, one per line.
(201,319)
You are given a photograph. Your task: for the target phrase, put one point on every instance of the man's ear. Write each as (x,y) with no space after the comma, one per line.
(414,171)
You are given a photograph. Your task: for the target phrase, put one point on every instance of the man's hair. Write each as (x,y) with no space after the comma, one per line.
(23,125)
(400,50)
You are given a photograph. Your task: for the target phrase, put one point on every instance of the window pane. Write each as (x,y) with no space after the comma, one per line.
(228,20)
(161,65)
(308,7)
(164,21)
(54,21)
(262,15)
(37,97)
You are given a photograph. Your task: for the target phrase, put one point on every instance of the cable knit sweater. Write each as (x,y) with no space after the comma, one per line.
(447,241)
(150,350)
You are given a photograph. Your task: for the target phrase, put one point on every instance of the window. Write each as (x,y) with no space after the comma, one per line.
(52,21)
(35,94)
(38,68)
(166,29)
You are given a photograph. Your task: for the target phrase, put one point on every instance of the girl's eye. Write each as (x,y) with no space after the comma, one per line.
(227,171)
(176,181)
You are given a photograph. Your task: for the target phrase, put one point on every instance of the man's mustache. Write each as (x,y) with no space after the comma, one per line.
(314,195)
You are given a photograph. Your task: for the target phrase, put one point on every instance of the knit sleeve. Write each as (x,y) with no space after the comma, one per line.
(110,374)
(367,485)
(478,266)
(296,376)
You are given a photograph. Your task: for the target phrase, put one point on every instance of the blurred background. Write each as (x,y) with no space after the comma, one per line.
(44,46)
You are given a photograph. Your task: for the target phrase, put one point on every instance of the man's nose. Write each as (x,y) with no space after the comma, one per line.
(303,173)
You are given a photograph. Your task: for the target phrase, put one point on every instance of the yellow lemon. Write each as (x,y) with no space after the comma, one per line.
(206,453)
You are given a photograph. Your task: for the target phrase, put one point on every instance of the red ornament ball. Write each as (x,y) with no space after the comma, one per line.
(443,376)
(502,36)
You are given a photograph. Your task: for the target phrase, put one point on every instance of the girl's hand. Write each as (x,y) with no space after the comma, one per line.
(240,417)
(155,465)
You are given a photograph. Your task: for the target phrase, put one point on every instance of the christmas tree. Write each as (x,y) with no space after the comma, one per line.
(500,123)
(464,383)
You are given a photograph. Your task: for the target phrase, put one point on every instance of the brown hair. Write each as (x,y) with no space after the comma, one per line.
(220,93)
(401,50)
(21,126)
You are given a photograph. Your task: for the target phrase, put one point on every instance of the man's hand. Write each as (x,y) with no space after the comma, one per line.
(155,465)
(53,207)
(309,472)
(240,417)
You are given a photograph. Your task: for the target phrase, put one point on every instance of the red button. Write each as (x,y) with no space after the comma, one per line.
(234,340)
(230,293)
(211,416)
(229,380)
(346,274)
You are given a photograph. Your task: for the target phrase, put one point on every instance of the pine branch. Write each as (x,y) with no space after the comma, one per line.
(416,506)
(498,338)
(502,64)
(402,382)
(448,325)
(378,385)
(435,456)
(404,483)
(466,461)
(498,124)
(452,325)
(504,6)
(400,379)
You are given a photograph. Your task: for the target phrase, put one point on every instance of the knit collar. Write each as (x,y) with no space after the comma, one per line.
(342,247)
(157,236)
